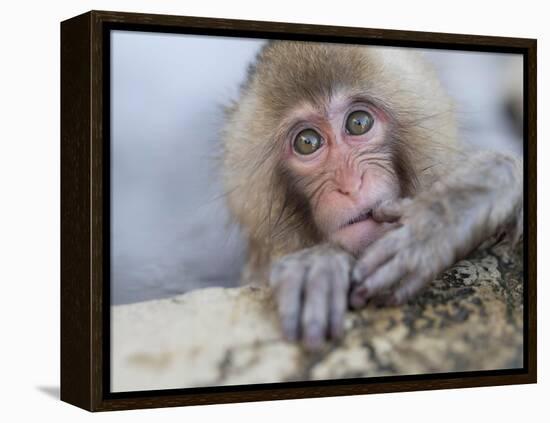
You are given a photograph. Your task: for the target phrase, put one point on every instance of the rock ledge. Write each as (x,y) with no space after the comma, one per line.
(469,319)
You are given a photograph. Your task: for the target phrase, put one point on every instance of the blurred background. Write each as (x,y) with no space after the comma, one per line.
(170,231)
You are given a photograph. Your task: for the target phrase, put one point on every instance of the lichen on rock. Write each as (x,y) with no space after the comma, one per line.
(471,318)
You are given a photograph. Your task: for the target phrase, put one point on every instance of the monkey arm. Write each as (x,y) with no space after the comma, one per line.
(311,288)
(481,197)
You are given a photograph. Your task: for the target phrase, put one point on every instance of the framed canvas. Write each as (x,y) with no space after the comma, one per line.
(172,291)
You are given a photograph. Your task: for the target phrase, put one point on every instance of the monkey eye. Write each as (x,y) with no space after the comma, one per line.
(359,122)
(307,142)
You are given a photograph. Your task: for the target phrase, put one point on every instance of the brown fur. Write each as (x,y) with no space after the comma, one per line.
(264,201)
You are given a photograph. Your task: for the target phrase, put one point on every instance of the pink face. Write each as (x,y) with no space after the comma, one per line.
(341,160)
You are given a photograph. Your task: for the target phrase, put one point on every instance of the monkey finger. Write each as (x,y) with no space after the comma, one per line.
(338,307)
(379,253)
(316,310)
(382,300)
(410,286)
(384,278)
(390,211)
(289,291)
(290,308)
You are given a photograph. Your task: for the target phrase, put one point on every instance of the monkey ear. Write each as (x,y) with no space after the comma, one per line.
(390,210)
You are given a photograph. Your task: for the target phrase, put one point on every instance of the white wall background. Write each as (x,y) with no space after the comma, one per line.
(169,218)
(29,227)
(171,231)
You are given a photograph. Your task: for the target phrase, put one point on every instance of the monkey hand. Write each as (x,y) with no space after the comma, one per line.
(311,288)
(405,259)
(438,227)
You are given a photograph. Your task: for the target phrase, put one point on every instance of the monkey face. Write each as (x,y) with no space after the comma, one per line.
(341,157)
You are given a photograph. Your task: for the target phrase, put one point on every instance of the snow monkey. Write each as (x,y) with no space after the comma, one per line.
(343,166)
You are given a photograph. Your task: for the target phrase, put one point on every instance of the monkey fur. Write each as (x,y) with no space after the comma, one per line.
(375,216)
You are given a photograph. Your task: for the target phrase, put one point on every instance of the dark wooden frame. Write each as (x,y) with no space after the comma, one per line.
(85,228)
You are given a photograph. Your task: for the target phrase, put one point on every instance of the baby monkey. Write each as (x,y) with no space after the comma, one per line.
(342,165)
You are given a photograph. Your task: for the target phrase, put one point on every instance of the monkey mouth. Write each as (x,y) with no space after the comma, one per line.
(367,214)
(357,233)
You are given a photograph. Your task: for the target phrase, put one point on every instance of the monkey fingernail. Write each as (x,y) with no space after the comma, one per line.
(290,330)
(358,298)
(392,301)
(314,337)
(384,301)
(361,290)
(357,276)
(337,329)
(382,217)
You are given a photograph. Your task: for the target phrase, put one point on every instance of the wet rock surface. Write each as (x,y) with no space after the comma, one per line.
(469,319)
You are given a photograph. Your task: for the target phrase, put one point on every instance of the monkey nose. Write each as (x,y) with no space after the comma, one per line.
(350,186)
(349,192)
